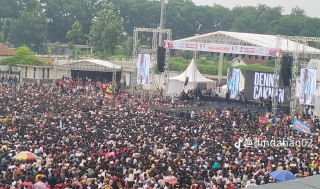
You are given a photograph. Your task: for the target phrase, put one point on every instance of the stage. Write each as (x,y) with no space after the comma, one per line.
(93,75)
(213,102)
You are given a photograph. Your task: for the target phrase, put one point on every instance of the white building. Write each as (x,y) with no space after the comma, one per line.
(44,75)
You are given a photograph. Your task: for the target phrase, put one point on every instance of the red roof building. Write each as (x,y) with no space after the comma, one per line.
(5,51)
(248,61)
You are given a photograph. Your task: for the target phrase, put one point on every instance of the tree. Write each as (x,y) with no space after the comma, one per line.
(262,14)
(10,9)
(288,25)
(8,30)
(270,63)
(75,34)
(20,18)
(106,30)
(52,47)
(297,11)
(126,47)
(182,19)
(1,38)
(30,29)
(22,56)
(63,13)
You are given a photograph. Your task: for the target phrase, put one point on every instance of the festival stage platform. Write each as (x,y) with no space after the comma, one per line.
(213,103)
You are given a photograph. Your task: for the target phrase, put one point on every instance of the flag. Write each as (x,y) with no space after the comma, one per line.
(300,126)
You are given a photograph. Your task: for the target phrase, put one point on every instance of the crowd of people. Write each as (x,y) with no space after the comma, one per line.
(85,140)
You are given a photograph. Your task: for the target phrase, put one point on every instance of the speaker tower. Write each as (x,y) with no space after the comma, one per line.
(161,59)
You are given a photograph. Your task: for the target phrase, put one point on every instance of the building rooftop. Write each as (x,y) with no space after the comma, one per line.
(5,51)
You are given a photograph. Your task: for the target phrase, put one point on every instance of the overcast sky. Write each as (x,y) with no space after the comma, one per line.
(310,6)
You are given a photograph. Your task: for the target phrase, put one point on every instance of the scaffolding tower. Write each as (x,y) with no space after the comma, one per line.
(299,60)
(153,52)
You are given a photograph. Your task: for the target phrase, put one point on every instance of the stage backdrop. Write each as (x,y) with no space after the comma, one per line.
(260,84)
(308,83)
(233,80)
(143,66)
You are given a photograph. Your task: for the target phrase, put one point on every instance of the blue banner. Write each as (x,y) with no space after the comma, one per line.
(300,126)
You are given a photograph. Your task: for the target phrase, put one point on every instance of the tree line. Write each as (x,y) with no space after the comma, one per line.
(108,25)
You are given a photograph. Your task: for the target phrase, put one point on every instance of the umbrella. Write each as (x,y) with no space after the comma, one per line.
(40,185)
(282,175)
(25,156)
(169,179)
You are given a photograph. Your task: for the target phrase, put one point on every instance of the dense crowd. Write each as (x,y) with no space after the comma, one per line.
(84,140)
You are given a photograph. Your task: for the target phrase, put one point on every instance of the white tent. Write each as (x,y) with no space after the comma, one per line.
(176,84)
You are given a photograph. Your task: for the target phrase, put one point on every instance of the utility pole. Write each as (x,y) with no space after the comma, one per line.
(162,20)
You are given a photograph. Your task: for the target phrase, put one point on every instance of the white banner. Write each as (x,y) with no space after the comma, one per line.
(143,66)
(308,86)
(222,48)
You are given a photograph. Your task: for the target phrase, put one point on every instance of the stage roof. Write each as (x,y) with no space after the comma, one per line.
(91,65)
(100,63)
(249,39)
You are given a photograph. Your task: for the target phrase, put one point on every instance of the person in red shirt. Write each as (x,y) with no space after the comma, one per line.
(229,185)
(60,185)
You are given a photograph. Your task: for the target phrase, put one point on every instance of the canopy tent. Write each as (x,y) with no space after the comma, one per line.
(176,84)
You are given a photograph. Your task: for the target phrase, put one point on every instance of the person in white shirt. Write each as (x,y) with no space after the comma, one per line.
(192,114)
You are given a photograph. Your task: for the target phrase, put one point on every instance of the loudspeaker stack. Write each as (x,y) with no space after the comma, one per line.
(286,70)
(161,58)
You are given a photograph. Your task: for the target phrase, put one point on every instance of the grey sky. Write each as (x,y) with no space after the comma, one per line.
(310,6)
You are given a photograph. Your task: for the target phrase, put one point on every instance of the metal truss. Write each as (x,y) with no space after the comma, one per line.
(275,90)
(167,58)
(295,107)
(313,65)
(152,73)
(218,38)
(85,67)
(152,52)
(114,77)
(293,101)
(222,38)
(221,58)
(194,74)
(301,38)
(133,79)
